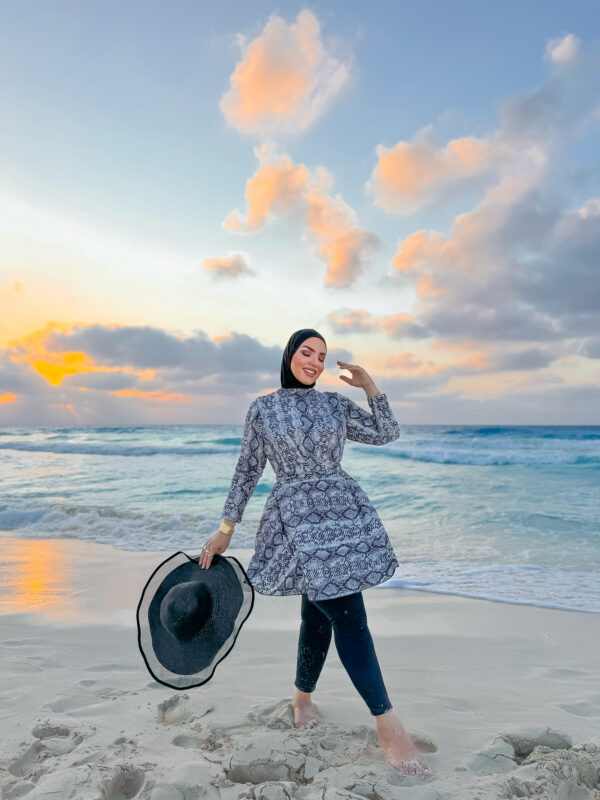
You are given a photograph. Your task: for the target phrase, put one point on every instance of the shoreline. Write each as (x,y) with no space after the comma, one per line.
(463,674)
(243,554)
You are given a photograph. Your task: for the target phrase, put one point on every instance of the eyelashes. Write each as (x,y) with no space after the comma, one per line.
(307,354)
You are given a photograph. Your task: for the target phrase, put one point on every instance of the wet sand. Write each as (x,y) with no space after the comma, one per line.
(503,699)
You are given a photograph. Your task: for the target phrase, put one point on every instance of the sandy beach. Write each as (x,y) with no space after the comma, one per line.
(503,699)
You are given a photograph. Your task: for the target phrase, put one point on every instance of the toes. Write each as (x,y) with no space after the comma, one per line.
(415,767)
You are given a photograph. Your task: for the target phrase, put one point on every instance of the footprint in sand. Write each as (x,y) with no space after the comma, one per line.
(502,753)
(280,716)
(276,715)
(64,703)
(175,709)
(125,781)
(189,742)
(119,749)
(52,738)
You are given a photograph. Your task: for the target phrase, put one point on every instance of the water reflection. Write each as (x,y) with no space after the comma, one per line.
(33,575)
(72,581)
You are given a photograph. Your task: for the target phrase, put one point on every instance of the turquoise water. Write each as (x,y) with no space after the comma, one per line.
(511,514)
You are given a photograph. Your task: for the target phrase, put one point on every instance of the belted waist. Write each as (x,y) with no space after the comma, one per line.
(312,476)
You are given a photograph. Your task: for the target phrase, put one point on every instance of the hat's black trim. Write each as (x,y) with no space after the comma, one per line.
(139,628)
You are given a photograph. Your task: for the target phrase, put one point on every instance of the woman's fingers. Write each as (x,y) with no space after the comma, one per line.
(214,545)
(345,365)
(206,556)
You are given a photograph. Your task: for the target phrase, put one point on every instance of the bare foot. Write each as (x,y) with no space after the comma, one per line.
(399,748)
(304,716)
(303,712)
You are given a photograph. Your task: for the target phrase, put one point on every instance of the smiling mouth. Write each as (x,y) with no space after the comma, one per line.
(311,374)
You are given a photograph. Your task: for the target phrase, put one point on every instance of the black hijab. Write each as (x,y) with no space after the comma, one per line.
(288,379)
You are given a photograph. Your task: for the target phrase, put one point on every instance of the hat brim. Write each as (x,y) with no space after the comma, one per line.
(165,656)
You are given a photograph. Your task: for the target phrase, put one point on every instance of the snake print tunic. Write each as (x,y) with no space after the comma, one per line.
(319,533)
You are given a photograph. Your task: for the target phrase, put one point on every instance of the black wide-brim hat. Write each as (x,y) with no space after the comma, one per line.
(189,618)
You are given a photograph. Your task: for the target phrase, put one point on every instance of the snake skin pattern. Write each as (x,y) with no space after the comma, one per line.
(319,533)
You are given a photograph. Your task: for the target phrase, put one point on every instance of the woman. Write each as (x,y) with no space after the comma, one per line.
(319,535)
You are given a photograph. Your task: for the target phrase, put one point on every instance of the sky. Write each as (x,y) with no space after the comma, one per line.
(183,185)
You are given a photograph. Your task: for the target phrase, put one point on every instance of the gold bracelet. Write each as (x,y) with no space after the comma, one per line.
(228,529)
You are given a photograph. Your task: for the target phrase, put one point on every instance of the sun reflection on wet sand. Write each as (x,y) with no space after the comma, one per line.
(72,581)
(34,574)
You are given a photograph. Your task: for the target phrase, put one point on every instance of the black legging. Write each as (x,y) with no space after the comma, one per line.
(348,618)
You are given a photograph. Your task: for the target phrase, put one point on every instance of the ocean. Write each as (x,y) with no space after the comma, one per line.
(506,513)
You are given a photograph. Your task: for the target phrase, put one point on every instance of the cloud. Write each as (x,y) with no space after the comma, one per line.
(407,363)
(562,50)
(282,189)
(528,359)
(475,358)
(285,80)
(410,174)
(226,266)
(133,354)
(591,348)
(138,375)
(108,374)
(521,265)
(396,326)
(122,389)
(547,402)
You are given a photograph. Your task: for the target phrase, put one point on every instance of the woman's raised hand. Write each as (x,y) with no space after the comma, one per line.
(218,543)
(360,376)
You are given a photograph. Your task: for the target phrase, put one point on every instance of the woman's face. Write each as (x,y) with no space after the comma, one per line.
(308,362)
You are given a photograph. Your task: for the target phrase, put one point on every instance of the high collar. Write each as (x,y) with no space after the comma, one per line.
(287,390)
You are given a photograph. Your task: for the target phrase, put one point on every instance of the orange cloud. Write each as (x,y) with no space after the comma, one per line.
(229,266)
(281,188)
(358,320)
(285,80)
(8,397)
(55,365)
(406,175)
(415,253)
(62,364)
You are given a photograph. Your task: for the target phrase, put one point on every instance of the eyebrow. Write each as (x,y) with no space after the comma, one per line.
(323,353)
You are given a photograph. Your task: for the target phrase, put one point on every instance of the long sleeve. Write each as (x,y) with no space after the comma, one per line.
(378,427)
(250,466)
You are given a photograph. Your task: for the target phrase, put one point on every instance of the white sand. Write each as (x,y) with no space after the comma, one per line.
(504,700)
